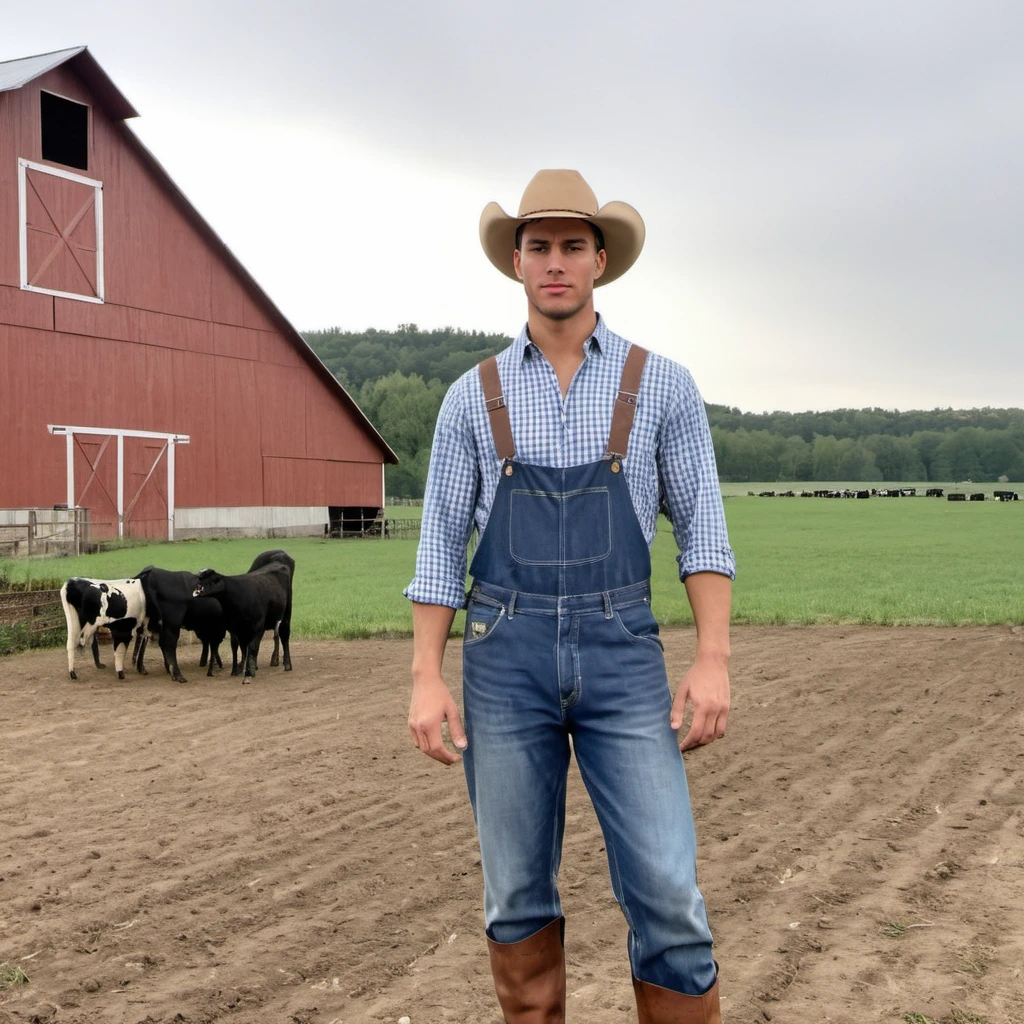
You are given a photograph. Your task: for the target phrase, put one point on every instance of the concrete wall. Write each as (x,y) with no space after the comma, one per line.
(251,521)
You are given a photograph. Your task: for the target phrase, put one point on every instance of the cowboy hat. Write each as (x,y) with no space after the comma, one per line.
(564,194)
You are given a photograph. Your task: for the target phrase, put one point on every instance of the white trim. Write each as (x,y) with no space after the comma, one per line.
(120,486)
(71,469)
(114,431)
(24,166)
(170,489)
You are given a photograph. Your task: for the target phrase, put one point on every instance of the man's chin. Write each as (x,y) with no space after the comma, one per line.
(558,312)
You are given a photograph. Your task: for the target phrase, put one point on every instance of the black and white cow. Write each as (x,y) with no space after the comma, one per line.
(120,605)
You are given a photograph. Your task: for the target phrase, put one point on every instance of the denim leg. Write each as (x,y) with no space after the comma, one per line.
(630,762)
(516,765)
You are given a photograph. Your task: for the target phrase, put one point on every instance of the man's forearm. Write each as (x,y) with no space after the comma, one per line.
(710,595)
(431,624)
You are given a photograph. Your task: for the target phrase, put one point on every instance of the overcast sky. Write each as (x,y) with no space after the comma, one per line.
(832,192)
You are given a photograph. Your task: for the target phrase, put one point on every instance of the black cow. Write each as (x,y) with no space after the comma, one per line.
(252,602)
(284,627)
(172,608)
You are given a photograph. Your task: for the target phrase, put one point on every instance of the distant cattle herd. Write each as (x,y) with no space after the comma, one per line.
(888,492)
(159,603)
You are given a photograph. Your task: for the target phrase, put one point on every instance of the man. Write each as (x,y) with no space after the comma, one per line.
(561,452)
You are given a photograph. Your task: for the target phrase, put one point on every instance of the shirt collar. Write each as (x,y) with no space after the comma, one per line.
(596,344)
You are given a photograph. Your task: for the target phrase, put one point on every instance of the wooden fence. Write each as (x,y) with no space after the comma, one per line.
(36,610)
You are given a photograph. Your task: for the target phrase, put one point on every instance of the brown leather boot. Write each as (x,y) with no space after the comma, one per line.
(657,1005)
(529,976)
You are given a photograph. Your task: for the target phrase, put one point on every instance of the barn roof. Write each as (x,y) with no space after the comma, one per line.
(16,73)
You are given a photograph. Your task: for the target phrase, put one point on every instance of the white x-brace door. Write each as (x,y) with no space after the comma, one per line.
(171,441)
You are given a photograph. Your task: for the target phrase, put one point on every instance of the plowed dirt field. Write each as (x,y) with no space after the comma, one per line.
(281,853)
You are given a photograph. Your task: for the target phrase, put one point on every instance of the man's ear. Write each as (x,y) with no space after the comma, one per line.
(517,264)
(600,262)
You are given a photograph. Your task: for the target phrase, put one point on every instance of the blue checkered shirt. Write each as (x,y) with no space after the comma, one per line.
(670,464)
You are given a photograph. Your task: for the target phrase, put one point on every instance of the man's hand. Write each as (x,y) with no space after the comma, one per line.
(706,687)
(432,705)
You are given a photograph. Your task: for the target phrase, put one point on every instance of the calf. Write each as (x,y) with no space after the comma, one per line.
(171,608)
(120,605)
(252,602)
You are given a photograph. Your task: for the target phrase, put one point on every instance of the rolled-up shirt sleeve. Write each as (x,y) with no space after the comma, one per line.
(690,493)
(453,481)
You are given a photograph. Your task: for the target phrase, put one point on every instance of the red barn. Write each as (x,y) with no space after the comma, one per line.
(144,375)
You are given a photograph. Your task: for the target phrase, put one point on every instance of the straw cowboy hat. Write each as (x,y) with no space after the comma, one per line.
(564,194)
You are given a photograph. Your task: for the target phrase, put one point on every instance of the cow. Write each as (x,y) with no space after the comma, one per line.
(252,603)
(120,605)
(171,608)
(285,625)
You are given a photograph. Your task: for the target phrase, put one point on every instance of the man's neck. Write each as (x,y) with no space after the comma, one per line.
(561,338)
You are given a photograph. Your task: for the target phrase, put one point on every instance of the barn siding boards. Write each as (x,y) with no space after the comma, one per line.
(283,478)
(227,296)
(237,437)
(275,349)
(25,309)
(282,401)
(332,430)
(141,326)
(354,483)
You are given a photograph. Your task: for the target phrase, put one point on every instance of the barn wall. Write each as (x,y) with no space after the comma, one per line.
(181,345)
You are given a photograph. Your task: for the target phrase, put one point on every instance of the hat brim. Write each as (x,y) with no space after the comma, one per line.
(622,227)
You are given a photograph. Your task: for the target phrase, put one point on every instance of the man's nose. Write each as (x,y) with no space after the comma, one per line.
(556,265)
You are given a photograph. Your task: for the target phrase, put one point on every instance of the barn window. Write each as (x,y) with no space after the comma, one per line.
(61,229)
(65,130)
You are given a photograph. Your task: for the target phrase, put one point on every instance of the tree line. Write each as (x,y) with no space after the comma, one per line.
(399,379)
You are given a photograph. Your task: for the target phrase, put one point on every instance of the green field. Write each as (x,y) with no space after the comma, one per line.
(898,561)
(734,489)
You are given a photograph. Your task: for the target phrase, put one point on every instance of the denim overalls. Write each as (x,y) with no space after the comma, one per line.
(561,645)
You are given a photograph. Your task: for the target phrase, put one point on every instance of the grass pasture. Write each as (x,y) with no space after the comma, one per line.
(887,562)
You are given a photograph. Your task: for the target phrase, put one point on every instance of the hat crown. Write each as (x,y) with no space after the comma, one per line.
(558,191)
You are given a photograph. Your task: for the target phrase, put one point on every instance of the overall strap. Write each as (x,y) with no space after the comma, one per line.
(497,411)
(625,402)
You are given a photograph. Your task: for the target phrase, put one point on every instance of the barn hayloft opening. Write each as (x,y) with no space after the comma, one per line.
(65,130)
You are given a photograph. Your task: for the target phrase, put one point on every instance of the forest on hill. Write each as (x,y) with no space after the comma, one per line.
(400,377)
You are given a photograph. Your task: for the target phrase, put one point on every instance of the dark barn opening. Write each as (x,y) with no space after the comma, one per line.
(353,520)
(65,130)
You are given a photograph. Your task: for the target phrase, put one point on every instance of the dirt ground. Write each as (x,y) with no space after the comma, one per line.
(281,853)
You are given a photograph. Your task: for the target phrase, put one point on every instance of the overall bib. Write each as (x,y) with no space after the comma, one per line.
(562,652)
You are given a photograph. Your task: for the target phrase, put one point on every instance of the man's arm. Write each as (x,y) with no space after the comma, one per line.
(706,685)
(439,586)
(432,703)
(693,498)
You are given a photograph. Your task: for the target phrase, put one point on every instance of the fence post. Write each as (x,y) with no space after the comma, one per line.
(31,528)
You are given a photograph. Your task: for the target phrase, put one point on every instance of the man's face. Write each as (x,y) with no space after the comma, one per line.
(558,264)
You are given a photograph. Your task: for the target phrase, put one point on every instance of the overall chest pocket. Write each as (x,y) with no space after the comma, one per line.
(560,528)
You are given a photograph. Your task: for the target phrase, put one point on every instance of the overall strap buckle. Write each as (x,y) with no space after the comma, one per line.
(625,402)
(497,410)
